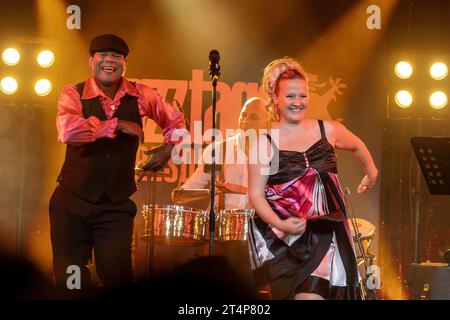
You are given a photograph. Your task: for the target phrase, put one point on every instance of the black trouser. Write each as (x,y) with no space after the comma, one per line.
(78,226)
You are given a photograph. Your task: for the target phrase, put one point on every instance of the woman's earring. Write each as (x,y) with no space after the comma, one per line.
(277,112)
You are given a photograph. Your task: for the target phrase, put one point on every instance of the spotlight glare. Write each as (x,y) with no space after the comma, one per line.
(8,85)
(45,58)
(403,70)
(438,70)
(403,99)
(11,56)
(438,100)
(43,87)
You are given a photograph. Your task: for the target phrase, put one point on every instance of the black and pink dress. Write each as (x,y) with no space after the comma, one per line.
(322,260)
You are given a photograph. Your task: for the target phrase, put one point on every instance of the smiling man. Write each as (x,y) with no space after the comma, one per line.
(100,120)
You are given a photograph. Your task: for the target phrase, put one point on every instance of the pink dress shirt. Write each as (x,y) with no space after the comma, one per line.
(74,129)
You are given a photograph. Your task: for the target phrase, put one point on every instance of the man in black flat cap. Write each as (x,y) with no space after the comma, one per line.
(100,121)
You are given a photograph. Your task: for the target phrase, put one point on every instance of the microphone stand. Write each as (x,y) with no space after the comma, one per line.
(214,72)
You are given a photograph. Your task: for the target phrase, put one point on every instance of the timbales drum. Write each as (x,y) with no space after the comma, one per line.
(233,224)
(174,225)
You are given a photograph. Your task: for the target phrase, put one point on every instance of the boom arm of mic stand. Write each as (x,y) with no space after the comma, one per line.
(188,125)
(358,242)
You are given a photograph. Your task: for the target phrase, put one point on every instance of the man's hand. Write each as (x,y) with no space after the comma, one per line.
(159,157)
(131,128)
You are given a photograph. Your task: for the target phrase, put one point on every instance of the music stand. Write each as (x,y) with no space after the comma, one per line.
(433,155)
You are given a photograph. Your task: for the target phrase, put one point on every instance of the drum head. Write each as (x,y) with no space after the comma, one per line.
(249,212)
(365,228)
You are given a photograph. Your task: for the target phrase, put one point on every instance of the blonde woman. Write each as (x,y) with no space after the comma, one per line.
(300,239)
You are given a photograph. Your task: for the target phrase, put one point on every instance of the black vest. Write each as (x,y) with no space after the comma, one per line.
(104,167)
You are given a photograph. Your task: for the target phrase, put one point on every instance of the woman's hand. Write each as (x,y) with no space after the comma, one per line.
(367,183)
(292,225)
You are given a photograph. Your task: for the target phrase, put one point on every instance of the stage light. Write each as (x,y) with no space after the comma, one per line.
(11,56)
(8,85)
(403,99)
(416,85)
(438,100)
(403,70)
(45,58)
(43,87)
(438,70)
(34,79)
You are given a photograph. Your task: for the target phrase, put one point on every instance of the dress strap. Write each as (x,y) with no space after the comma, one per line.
(275,161)
(274,146)
(322,128)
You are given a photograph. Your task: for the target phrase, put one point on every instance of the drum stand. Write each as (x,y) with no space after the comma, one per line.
(362,287)
(150,226)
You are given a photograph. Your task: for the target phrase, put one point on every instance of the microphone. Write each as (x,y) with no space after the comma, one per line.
(214,67)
